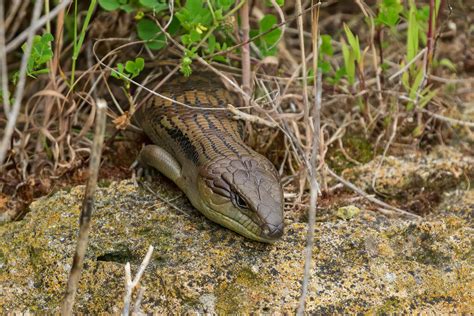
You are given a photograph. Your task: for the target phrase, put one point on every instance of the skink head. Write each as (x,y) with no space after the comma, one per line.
(243,194)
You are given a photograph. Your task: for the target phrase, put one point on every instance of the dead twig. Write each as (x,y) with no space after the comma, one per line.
(130,285)
(299,21)
(86,211)
(405,67)
(20,87)
(449,120)
(3,62)
(239,115)
(315,152)
(246,71)
(378,70)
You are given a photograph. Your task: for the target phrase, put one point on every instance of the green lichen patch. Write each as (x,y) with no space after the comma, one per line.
(238,293)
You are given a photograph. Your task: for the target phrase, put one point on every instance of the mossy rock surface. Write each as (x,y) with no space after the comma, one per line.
(368,263)
(417,182)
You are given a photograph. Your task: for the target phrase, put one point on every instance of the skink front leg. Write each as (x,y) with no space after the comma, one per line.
(158,158)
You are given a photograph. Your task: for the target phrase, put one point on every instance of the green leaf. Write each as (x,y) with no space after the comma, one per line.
(149,31)
(158,43)
(427,97)
(326,47)
(41,53)
(353,42)
(448,64)
(416,84)
(135,67)
(414,89)
(39,72)
(405,78)
(266,24)
(422,14)
(195,36)
(268,40)
(349,63)
(219,15)
(339,74)
(130,67)
(186,66)
(119,73)
(194,13)
(140,63)
(174,26)
(109,5)
(220,59)
(154,5)
(127,8)
(325,66)
(186,40)
(224,4)
(211,44)
(412,37)
(389,13)
(47,37)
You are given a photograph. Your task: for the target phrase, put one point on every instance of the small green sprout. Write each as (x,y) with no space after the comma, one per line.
(130,70)
(41,53)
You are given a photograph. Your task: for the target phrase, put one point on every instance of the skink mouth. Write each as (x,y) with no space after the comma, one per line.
(273,232)
(246,227)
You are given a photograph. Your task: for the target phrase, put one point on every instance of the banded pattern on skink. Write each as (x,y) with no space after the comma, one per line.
(226,180)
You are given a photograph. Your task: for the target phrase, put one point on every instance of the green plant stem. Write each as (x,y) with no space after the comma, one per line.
(74,41)
(213,28)
(212,12)
(46,10)
(78,44)
(225,51)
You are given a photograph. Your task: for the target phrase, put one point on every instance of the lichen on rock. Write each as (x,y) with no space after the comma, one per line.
(368,263)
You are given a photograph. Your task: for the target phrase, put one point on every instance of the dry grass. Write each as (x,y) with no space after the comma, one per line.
(51,135)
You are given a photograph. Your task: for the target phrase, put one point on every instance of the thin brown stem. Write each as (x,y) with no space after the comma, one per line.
(246,71)
(315,156)
(299,21)
(3,62)
(86,211)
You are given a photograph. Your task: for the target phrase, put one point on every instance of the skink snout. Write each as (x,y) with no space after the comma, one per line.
(271,231)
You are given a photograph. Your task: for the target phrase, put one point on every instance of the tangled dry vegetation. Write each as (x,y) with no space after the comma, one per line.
(386,89)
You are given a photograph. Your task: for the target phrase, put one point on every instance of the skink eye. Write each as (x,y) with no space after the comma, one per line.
(240,202)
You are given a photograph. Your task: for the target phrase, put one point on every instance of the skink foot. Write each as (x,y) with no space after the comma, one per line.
(141,171)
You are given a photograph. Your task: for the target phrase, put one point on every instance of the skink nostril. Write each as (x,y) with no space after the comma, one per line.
(273,231)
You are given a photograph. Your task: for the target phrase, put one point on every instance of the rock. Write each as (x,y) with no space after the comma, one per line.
(347,212)
(417,181)
(370,264)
